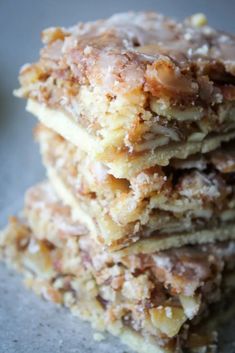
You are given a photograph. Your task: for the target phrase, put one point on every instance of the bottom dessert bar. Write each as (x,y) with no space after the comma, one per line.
(153,302)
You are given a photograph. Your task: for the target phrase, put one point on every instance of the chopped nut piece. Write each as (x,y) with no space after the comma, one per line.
(190,305)
(198,20)
(168,320)
(98,337)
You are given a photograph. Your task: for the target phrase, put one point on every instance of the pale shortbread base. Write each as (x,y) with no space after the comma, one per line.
(147,246)
(124,166)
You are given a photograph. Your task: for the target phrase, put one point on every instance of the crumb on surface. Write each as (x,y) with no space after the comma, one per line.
(98,337)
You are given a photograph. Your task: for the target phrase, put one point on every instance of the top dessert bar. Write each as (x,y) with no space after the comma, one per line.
(136,89)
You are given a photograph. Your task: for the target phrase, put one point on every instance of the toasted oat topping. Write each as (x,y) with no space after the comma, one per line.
(133,50)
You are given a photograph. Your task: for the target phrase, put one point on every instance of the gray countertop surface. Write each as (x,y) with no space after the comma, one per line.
(28,324)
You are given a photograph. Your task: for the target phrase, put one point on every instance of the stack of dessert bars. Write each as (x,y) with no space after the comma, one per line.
(134,230)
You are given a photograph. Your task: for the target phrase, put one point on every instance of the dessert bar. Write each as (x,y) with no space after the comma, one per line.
(153,302)
(173,205)
(135,90)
